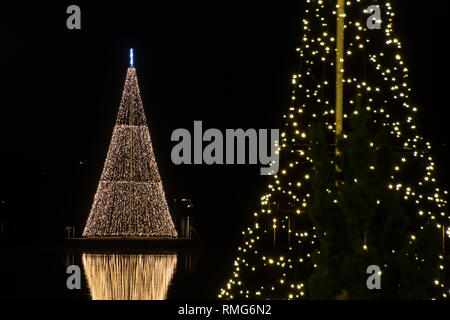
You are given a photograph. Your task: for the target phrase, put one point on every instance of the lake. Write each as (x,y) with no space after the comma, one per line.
(30,272)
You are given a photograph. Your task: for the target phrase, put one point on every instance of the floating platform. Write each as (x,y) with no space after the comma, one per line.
(130,243)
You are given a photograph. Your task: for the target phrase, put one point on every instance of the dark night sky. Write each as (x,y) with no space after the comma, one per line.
(227,63)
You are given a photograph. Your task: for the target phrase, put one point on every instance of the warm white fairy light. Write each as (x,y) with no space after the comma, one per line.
(130,198)
(129,276)
(387,98)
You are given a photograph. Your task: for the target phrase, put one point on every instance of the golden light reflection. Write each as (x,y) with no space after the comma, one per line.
(129,276)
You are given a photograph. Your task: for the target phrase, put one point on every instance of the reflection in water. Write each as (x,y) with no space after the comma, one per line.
(129,276)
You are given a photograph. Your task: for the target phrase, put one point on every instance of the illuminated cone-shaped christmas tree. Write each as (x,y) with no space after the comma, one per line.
(130,198)
(275,258)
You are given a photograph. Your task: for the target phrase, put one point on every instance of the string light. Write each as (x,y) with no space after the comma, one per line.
(386,96)
(130,198)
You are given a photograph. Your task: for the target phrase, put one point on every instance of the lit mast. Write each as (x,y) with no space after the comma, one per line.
(131,58)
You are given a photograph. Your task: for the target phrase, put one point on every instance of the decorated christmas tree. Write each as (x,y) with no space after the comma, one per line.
(348,72)
(130,198)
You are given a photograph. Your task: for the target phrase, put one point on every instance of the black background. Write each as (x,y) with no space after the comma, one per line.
(227,63)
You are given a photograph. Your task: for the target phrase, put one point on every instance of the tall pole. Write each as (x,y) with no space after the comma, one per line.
(339,69)
(443,240)
(443,252)
(131,146)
